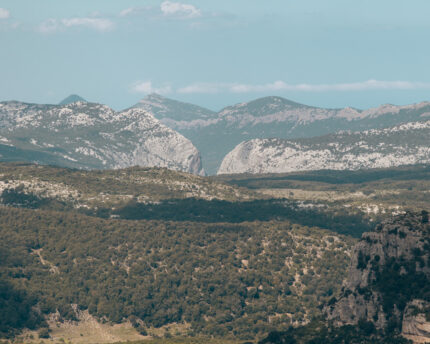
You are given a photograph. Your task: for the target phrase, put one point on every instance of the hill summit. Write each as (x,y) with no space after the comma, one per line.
(73,98)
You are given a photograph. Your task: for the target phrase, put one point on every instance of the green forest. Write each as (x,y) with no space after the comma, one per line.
(224,279)
(155,247)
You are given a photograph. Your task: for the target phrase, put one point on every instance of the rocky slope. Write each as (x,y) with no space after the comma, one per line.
(77,189)
(90,135)
(216,134)
(175,114)
(395,146)
(389,279)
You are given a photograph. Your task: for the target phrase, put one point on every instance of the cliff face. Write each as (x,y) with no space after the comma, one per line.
(216,134)
(416,321)
(88,135)
(403,144)
(389,278)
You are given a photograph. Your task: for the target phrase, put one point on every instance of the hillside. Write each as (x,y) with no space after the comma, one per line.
(221,279)
(135,253)
(174,113)
(216,134)
(161,194)
(88,135)
(85,188)
(388,280)
(395,146)
(376,192)
(385,298)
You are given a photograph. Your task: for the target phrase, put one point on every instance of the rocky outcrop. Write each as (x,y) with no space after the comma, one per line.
(389,278)
(89,135)
(416,321)
(400,145)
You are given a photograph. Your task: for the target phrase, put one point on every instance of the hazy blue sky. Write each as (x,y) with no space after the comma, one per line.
(329,53)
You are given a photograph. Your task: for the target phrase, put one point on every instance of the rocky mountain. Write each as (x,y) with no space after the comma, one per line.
(395,146)
(173,113)
(216,134)
(73,98)
(89,135)
(388,282)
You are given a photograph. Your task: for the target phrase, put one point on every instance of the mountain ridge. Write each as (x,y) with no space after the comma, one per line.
(399,145)
(217,133)
(92,135)
(73,98)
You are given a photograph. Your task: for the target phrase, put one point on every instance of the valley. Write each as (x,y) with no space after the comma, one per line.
(214,172)
(139,253)
(217,134)
(110,232)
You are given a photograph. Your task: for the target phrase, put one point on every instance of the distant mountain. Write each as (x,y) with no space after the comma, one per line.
(73,98)
(399,145)
(172,112)
(215,134)
(88,135)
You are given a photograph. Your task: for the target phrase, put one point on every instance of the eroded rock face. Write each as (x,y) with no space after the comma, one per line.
(90,135)
(404,144)
(389,278)
(216,134)
(416,321)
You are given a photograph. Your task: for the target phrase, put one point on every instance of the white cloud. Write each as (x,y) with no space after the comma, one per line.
(178,9)
(146,87)
(283,86)
(98,24)
(4,13)
(166,10)
(204,87)
(127,11)
(134,11)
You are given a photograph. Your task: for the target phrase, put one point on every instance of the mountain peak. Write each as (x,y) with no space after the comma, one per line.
(73,98)
(168,109)
(154,96)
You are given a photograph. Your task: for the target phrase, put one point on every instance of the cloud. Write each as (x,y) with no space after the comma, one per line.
(134,11)
(127,11)
(167,9)
(205,87)
(4,13)
(178,9)
(98,24)
(283,86)
(146,87)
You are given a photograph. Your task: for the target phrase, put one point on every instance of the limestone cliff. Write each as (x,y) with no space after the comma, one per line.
(389,279)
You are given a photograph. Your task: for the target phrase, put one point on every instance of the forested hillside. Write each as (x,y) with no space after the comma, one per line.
(223,279)
(172,254)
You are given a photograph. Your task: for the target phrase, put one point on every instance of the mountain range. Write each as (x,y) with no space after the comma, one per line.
(163,132)
(89,135)
(216,134)
(403,144)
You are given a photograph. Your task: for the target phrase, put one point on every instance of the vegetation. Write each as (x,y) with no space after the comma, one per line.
(199,210)
(401,281)
(111,187)
(220,257)
(374,194)
(160,194)
(340,177)
(318,332)
(224,279)
(189,340)
(16,309)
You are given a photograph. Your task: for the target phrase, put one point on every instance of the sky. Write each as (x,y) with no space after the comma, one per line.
(328,53)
